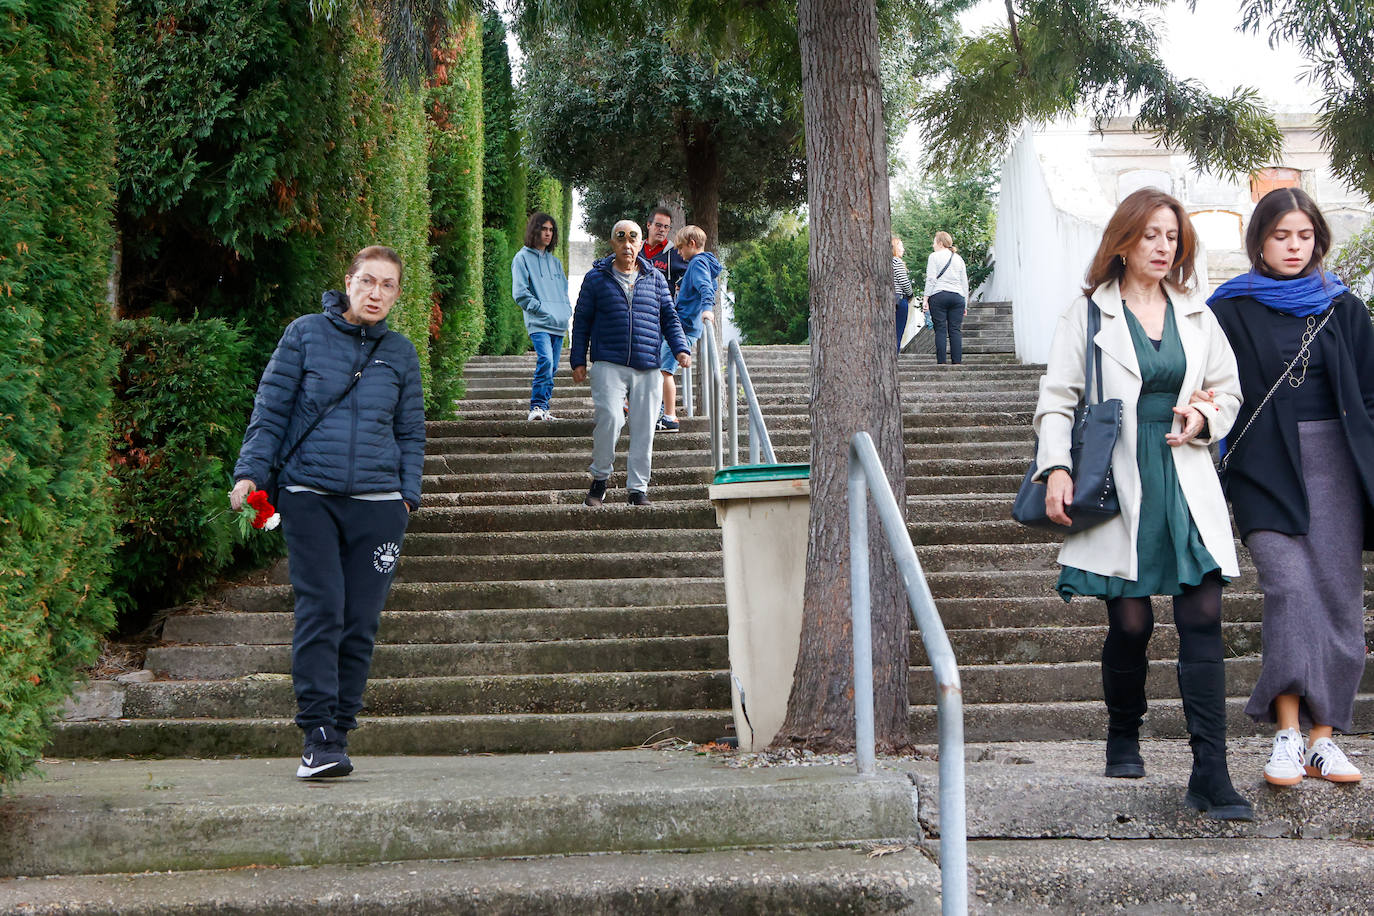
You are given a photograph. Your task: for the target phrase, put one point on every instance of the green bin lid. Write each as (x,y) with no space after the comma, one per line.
(753,473)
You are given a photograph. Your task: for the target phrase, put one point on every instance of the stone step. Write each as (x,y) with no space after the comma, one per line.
(662,653)
(612,516)
(224,814)
(726,883)
(571,496)
(529,594)
(621,691)
(101,739)
(563,566)
(538,542)
(469,626)
(792,434)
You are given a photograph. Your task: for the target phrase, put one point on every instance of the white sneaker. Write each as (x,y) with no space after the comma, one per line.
(1285,766)
(538,413)
(1327,761)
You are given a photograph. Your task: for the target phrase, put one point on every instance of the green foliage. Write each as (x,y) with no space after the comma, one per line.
(455,181)
(1354,263)
(505,330)
(772,289)
(965,206)
(243,151)
(181,394)
(1338,39)
(499,183)
(565,213)
(400,197)
(638,120)
(56,525)
(1053,57)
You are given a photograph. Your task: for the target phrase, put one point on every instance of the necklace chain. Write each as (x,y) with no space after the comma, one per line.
(1295,379)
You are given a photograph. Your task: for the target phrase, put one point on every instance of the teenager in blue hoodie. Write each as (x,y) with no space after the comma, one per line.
(696,297)
(541,291)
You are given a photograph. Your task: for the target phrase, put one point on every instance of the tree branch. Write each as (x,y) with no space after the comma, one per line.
(1016,40)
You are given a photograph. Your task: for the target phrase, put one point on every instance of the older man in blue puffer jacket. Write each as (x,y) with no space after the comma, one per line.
(624,313)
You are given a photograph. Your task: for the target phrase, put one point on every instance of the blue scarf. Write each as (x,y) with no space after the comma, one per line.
(1302,296)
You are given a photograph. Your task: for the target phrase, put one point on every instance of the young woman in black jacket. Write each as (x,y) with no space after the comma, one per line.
(1299,473)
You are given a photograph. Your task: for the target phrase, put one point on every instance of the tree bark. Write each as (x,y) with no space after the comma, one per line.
(704,176)
(854,378)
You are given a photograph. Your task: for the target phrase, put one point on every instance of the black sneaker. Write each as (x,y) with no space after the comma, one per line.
(596,495)
(638,498)
(324,754)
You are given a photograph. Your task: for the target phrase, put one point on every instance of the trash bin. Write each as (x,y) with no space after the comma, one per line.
(764,511)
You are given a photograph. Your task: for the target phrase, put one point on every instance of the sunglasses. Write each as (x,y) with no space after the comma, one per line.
(624,234)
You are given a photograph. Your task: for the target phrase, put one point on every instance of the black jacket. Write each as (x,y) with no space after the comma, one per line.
(373,442)
(1263,477)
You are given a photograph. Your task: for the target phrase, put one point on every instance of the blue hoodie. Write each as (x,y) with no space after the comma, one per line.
(697,293)
(541,291)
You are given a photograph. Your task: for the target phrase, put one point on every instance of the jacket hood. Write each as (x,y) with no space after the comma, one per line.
(334,303)
(712,263)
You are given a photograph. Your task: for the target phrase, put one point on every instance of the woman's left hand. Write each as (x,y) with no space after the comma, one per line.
(1193,422)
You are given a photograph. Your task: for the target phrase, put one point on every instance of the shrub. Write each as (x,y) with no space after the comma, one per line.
(455,183)
(56,526)
(183,393)
(772,288)
(505,331)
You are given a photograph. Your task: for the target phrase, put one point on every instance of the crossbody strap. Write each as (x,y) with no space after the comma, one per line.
(1287,370)
(946,267)
(335,403)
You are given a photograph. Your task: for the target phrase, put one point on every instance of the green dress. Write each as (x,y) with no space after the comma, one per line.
(1168,547)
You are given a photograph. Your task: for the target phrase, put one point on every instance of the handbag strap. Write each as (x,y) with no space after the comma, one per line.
(1090,355)
(1287,371)
(335,403)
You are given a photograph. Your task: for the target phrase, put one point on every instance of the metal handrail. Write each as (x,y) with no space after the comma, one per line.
(737,378)
(866,476)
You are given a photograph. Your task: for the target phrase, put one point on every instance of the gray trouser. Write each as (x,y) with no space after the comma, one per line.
(612,384)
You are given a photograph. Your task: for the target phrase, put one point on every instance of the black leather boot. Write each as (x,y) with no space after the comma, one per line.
(1203,686)
(1124,692)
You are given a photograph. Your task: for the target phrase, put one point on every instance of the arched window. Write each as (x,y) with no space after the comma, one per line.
(1220,230)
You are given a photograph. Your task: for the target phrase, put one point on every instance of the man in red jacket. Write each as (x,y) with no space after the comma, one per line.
(659,251)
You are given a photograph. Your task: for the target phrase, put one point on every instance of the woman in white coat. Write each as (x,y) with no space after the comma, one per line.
(1160,349)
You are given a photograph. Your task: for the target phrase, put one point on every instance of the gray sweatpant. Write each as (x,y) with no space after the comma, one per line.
(612,384)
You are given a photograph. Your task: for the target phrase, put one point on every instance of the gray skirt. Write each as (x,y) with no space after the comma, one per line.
(1313,584)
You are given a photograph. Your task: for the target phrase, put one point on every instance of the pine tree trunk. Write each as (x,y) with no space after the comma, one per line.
(854,377)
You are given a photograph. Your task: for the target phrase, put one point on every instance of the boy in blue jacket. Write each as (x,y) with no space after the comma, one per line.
(696,298)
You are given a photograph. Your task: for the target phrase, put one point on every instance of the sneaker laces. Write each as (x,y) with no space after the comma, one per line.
(1331,756)
(1287,750)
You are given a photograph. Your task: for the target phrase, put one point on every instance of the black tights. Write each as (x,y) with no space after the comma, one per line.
(1197,616)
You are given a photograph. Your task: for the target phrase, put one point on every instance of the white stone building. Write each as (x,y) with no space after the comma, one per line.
(1060,184)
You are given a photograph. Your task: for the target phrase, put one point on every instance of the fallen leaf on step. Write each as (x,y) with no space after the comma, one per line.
(877,852)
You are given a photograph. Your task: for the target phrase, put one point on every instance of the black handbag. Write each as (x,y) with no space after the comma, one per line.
(271,486)
(1095,429)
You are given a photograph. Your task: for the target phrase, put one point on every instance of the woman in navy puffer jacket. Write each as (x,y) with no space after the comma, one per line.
(347,489)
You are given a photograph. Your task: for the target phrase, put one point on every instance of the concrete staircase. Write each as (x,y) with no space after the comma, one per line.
(523,624)
(522,621)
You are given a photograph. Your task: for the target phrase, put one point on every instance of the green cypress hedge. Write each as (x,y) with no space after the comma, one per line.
(181,393)
(455,182)
(497,111)
(505,331)
(56,525)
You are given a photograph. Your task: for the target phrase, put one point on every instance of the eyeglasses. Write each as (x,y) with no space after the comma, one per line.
(367,284)
(623,234)
(660,225)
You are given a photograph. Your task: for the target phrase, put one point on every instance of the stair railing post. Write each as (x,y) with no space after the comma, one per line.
(861,617)
(732,418)
(949,691)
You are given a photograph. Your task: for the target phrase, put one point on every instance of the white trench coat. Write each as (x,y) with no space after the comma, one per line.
(1110,548)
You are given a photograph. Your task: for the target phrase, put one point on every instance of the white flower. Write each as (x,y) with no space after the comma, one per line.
(272,522)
